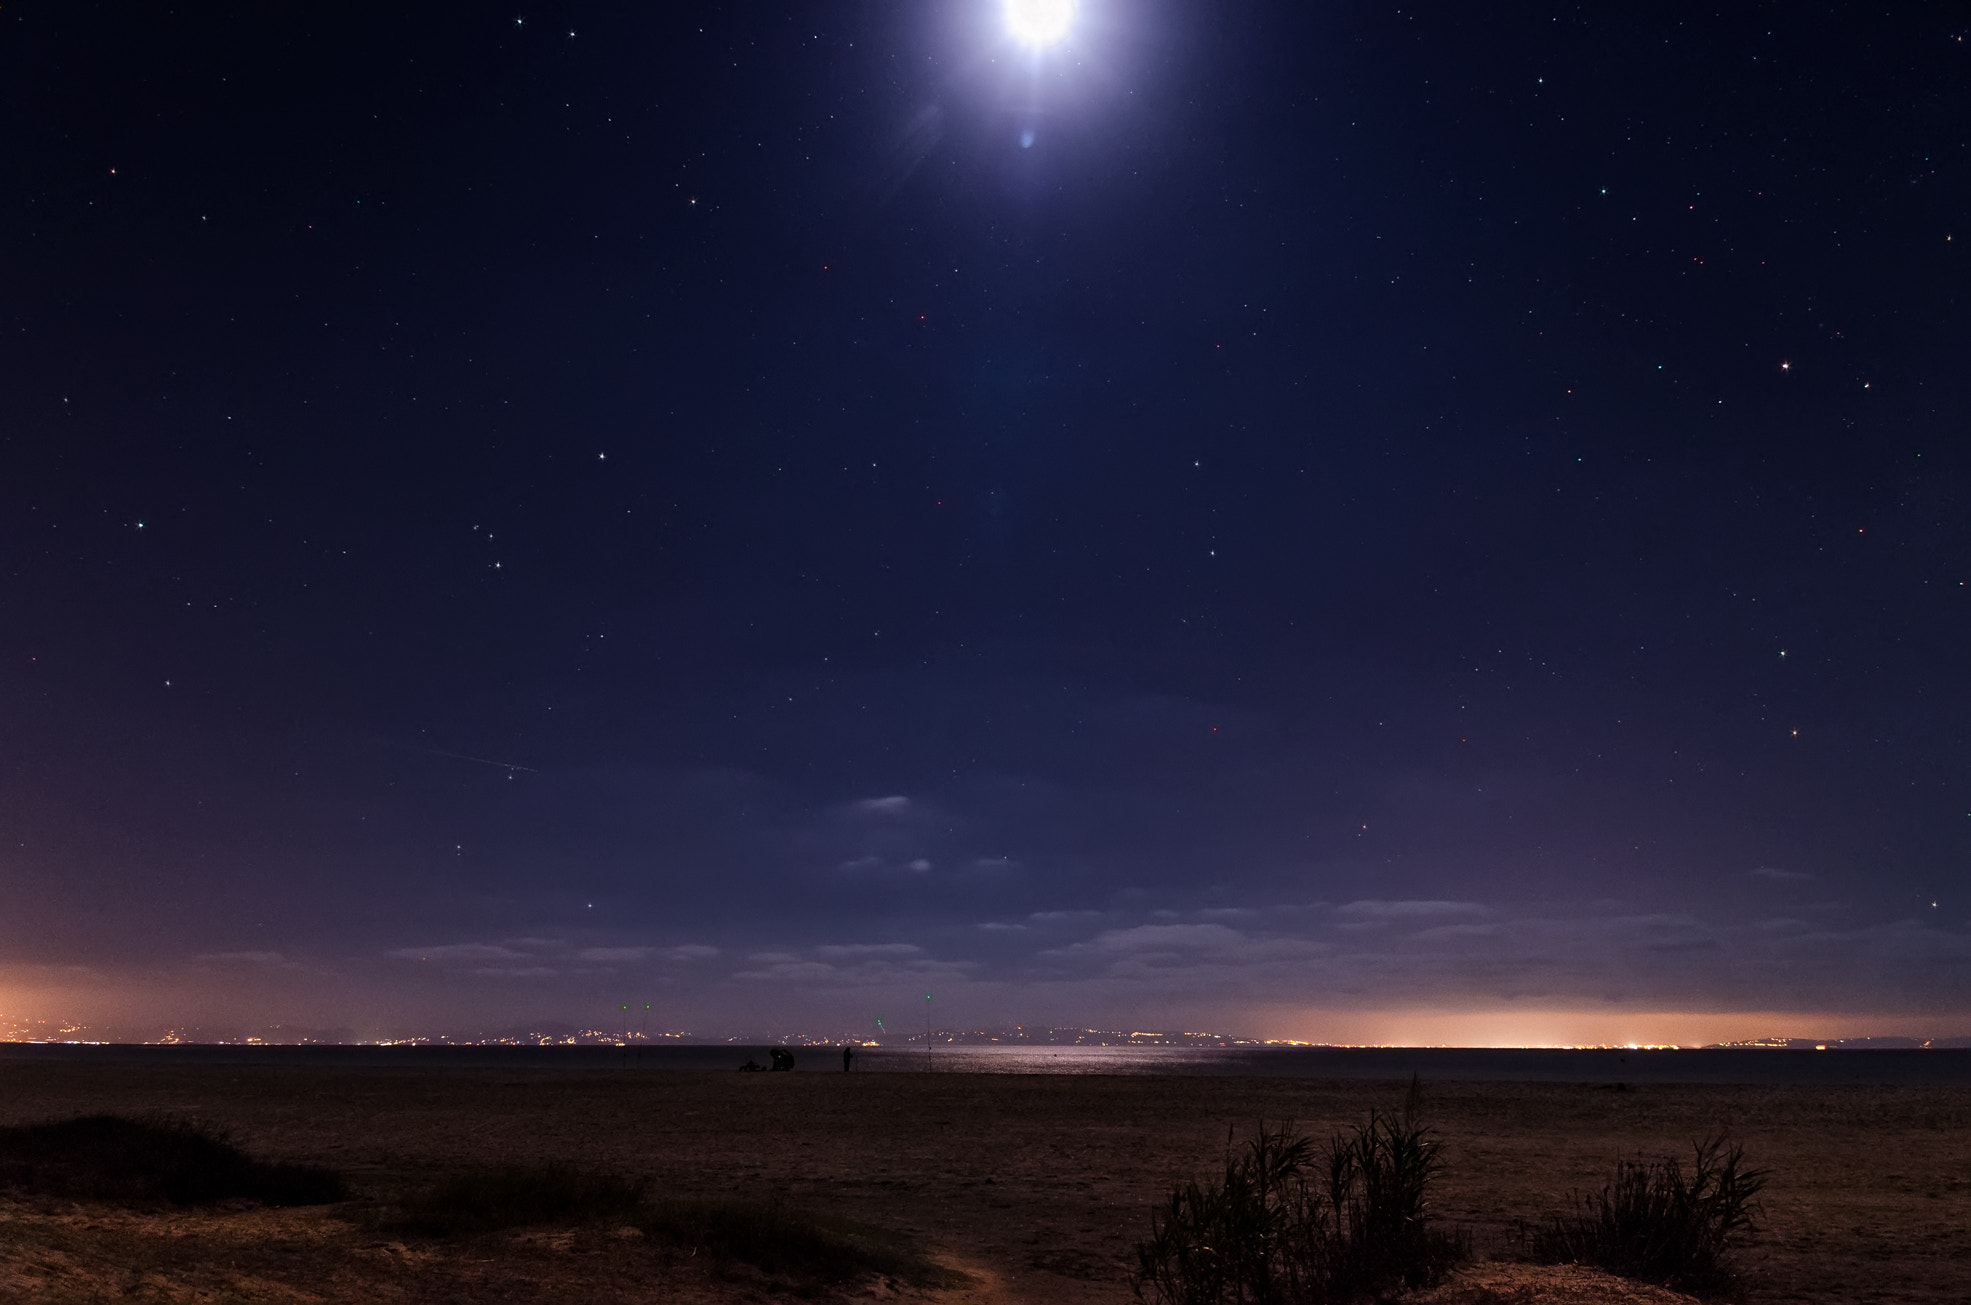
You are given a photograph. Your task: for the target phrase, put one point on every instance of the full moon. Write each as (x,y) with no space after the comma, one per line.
(1040,23)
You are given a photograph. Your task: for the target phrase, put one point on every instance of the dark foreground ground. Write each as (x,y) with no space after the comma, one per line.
(1038,1186)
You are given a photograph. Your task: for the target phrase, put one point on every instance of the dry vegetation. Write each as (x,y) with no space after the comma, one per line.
(1038,1188)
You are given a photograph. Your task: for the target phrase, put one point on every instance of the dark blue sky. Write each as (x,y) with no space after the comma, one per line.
(1314,520)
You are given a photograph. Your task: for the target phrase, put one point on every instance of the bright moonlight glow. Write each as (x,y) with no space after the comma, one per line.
(1040,23)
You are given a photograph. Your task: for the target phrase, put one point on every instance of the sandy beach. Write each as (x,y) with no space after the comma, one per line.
(1038,1186)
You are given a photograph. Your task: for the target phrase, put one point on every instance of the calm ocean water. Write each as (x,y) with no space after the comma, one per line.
(1433,1064)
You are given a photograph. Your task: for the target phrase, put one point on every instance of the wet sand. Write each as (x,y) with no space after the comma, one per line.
(1040,1185)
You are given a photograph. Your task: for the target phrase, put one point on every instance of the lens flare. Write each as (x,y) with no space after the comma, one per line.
(1040,23)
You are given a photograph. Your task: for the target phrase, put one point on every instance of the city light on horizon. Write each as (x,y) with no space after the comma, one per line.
(1559,1028)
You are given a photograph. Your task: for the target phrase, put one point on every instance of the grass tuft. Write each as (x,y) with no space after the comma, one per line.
(785,1241)
(515,1196)
(780,1240)
(1655,1223)
(1286,1225)
(125,1161)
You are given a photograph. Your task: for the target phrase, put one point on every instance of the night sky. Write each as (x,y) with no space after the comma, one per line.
(1332,521)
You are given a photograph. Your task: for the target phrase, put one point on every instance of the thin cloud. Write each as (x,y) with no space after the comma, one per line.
(460,952)
(1208,953)
(894,805)
(855,965)
(1442,931)
(1167,937)
(866,864)
(515,972)
(1378,909)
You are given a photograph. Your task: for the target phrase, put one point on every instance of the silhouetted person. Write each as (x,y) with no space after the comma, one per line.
(848,1054)
(752,1067)
(782,1058)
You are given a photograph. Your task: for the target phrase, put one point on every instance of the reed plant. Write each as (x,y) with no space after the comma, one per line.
(1655,1222)
(1287,1224)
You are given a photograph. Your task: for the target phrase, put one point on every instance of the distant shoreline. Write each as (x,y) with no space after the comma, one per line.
(1612,1066)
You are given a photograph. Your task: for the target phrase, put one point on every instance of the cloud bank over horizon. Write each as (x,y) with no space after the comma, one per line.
(1364,970)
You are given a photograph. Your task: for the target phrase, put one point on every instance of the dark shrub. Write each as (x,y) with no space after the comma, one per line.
(488,1200)
(773,1237)
(1378,1236)
(1656,1224)
(143,1161)
(1278,1228)
(788,1242)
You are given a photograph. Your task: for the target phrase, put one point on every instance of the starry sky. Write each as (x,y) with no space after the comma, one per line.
(1336,521)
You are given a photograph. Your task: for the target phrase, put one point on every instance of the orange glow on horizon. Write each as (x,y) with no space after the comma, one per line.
(1512,1027)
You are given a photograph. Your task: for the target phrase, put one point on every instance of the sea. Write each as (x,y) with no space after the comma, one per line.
(1733,1065)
